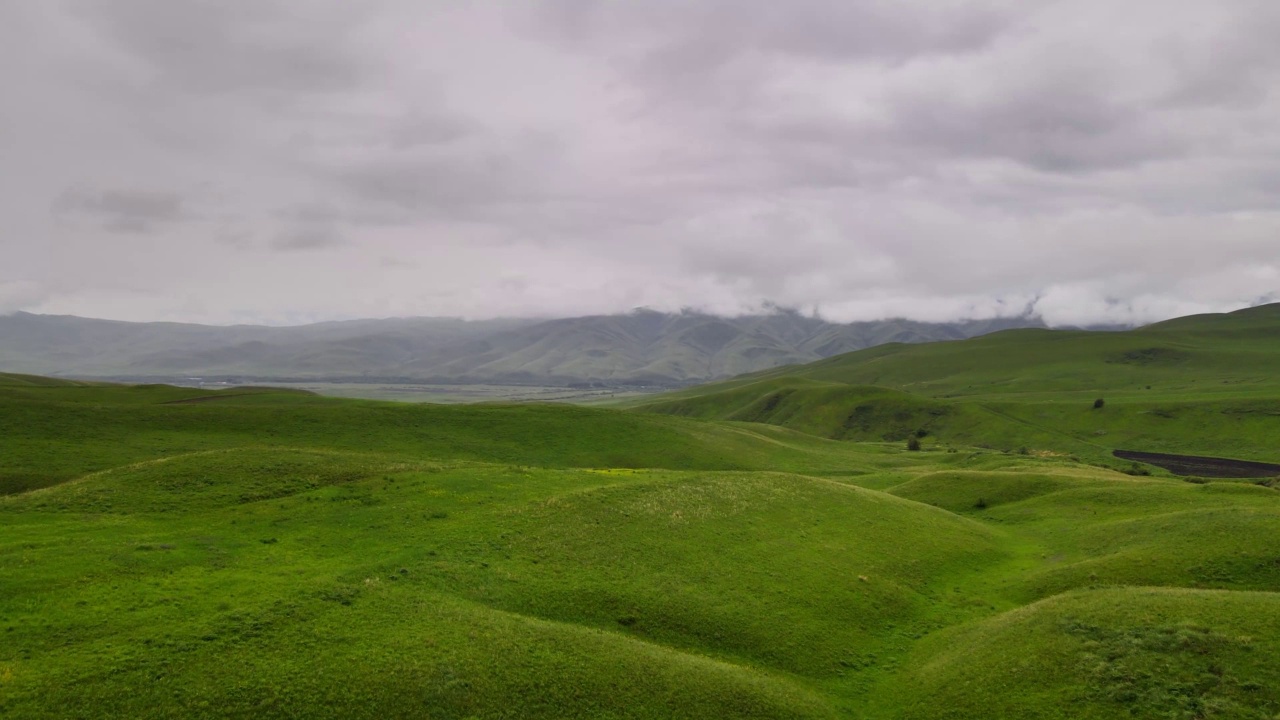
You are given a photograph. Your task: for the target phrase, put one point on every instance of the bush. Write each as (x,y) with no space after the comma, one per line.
(981,504)
(913,444)
(1097,404)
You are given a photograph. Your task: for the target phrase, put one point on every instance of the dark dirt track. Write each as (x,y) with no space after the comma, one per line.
(1210,467)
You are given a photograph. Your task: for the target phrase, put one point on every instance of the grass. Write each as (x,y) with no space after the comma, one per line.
(169,552)
(1207,385)
(61,432)
(1123,652)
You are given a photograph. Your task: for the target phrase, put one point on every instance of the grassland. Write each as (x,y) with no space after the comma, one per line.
(169,552)
(1205,385)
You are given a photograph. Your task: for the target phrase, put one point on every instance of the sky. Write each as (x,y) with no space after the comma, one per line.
(288,161)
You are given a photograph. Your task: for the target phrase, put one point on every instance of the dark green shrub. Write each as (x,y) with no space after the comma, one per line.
(1097,404)
(913,444)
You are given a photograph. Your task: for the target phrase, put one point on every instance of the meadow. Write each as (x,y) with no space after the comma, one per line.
(735,551)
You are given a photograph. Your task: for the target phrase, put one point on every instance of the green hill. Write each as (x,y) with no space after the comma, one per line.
(764,548)
(1116,653)
(19,380)
(1203,385)
(1188,356)
(57,432)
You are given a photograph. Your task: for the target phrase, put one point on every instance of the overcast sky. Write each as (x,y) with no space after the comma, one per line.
(284,161)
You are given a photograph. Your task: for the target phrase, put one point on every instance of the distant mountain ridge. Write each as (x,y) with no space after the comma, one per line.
(638,348)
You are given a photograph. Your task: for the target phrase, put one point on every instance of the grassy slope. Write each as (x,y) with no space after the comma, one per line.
(310,569)
(62,431)
(275,555)
(1121,652)
(1201,385)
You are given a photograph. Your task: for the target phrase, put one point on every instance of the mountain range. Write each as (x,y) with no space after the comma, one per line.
(639,348)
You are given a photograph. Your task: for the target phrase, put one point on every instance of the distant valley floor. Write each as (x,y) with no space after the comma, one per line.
(413,392)
(446,393)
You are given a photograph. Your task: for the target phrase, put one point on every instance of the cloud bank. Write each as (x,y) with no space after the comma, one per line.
(295,160)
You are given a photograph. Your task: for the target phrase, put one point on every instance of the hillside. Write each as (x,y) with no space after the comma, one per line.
(1204,385)
(640,348)
(170,552)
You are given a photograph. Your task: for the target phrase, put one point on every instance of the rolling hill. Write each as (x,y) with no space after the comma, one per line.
(1202,385)
(171,552)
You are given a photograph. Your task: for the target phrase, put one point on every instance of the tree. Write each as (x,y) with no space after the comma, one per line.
(1097,404)
(913,444)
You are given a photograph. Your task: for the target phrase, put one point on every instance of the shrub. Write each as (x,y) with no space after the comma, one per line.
(1097,404)
(981,504)
(913,444)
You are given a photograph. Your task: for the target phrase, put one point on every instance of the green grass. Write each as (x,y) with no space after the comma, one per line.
(1207,385)
(1116,653)
(249,580)
(172,553)
(61,432)
(275,555)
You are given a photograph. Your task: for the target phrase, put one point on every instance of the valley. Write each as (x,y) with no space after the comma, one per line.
(767,547)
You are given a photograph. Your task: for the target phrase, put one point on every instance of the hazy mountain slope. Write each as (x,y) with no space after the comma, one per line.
(642,347)
(68,345)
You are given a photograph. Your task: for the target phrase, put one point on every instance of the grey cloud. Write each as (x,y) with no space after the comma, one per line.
(445,183)
(304,238)
(215,47)
(1055,126)
(438,129)
(122,211)
(929,158)
(1236,67)
(859,29)
(331,214)
(454,180)
(17,295)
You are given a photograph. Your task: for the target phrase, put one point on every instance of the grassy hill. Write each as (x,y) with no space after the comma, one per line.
(167,552)
(1201,385)
(62,430)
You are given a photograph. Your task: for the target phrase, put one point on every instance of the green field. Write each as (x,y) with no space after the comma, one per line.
(1207,385)
(763,548)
